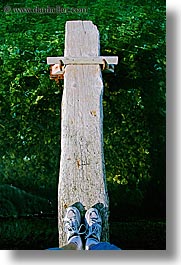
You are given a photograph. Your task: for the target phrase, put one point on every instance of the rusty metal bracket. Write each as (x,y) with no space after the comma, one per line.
(107,68)
(58,64)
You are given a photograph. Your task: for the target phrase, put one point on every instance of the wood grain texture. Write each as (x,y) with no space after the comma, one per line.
(83,60)
(82,170)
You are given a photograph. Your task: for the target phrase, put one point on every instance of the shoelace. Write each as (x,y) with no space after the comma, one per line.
(95,228)
(71,227)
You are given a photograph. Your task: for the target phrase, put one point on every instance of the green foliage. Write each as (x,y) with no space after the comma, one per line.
(25,233)
(126,138)
(16,202)
(134,98)
(142,234)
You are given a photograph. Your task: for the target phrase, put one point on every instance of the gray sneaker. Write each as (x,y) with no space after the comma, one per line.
(93,223)
(72,226)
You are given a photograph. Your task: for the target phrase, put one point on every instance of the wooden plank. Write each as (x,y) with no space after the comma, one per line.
(83,60)
(82,169)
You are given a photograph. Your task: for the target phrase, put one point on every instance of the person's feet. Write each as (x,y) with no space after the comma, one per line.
(72,226)
(93,223)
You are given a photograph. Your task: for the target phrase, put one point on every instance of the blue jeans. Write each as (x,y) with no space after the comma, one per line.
(99,246)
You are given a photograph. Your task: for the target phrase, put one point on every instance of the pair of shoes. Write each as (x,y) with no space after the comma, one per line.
(72,227)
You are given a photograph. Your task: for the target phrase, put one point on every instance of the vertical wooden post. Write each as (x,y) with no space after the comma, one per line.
(82,170)
(82,179)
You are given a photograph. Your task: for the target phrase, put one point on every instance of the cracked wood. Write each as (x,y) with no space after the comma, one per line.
(82,171)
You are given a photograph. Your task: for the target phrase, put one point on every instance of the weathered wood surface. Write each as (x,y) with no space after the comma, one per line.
(83,60)
(82,169)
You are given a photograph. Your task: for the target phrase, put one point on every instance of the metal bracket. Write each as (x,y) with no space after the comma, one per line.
(107,68)
(58,69)
(58,64)
(56,73)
